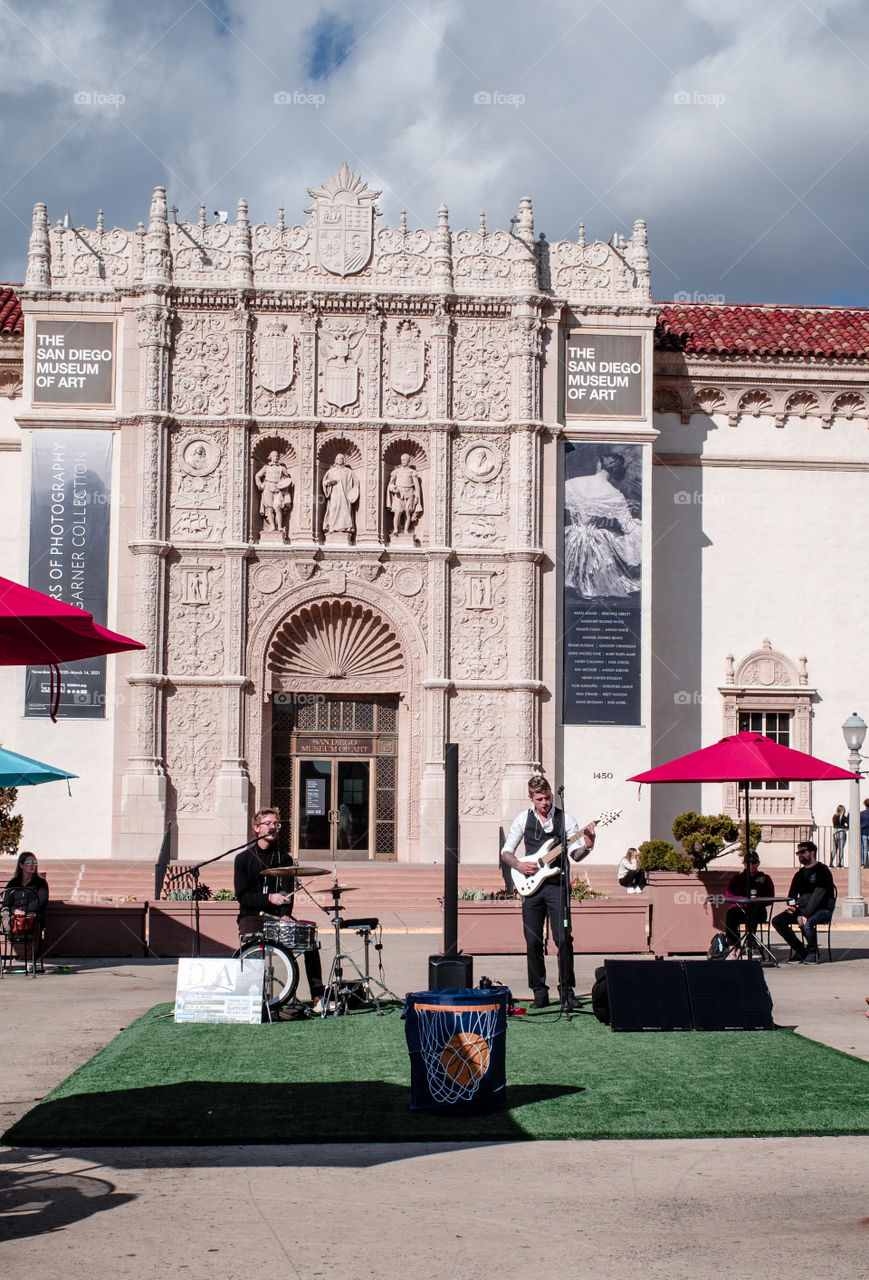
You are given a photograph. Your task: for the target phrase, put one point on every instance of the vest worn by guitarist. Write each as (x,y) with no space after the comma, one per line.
(537,841)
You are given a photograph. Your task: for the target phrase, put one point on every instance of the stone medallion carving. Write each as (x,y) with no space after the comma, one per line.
(343,222)
(197,503)
(200,457)
(267,578)
(407,580)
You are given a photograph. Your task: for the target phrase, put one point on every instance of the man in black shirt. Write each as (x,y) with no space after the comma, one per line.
(811,901)
(259,894)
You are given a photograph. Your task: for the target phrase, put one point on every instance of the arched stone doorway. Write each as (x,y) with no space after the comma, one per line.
(340,730)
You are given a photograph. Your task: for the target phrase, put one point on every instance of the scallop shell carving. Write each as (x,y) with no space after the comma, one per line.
(336,640)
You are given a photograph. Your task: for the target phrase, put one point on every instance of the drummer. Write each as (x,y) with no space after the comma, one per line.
(260,894)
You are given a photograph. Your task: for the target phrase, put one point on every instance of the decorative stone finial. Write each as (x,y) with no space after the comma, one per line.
(525,222)
(158,257)
(442,269)
(242,250)
(39,254)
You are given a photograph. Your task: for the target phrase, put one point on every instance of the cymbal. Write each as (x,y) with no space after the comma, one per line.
(338,889)
(292,870)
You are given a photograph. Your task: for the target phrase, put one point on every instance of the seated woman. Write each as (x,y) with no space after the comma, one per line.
(750,883)
(25,898)
(629,873)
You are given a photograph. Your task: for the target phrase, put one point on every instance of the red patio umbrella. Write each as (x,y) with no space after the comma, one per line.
(37,630)
(744,758)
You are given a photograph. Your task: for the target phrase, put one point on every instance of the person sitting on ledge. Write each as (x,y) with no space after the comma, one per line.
(25,899)
(629,873)
(811,899)
(749,883)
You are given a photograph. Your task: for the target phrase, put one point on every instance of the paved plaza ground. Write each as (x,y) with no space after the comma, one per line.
(668,1209)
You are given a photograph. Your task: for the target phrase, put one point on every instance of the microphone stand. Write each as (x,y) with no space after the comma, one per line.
(197,941)
(565,910)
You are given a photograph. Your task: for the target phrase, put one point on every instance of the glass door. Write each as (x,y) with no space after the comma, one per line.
(333,814)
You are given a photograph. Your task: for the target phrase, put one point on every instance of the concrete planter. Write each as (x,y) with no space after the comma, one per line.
(601,926)
(171,928)
(108,929)
(686,910)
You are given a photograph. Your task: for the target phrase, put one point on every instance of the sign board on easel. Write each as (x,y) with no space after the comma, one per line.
(219,990)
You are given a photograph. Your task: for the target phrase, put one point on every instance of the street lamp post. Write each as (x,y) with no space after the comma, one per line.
(854,730)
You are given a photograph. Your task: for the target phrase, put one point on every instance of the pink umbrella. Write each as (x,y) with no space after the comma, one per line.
(744,758)
(37,630)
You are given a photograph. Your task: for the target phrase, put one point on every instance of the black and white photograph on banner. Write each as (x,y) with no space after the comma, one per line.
(602,550)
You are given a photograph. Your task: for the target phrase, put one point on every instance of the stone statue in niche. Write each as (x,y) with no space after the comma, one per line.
(276,494)
(404,496)
(342,493)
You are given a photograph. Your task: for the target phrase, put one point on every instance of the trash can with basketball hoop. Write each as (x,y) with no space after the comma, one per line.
(457,1045)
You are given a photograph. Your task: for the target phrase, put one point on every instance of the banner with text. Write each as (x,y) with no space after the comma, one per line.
(70,498)
(603,375)
(603,543)
(73,362)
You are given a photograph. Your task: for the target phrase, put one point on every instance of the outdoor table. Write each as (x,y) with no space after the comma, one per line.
(750,941)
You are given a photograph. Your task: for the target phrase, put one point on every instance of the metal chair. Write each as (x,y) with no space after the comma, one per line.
(21,947)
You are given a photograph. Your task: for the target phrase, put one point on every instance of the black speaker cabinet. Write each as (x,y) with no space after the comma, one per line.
(647,995)
(728,996)
(448,973)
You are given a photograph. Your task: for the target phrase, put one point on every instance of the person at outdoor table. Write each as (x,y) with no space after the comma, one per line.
(536,826)
(629,873)
(25,898)
(751,882)
(811,899)
(840,835)
(259,894)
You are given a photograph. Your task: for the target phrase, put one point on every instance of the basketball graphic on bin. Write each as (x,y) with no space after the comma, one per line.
(465,1058)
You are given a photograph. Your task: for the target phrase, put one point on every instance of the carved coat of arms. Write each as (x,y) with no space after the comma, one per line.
(275,360)
(343,212)
(407,359)
(340,374)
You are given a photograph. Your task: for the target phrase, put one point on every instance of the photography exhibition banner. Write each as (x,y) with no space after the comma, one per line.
(602,555)
(70,502)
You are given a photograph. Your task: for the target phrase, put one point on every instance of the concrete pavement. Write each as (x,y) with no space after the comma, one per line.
(607,1209)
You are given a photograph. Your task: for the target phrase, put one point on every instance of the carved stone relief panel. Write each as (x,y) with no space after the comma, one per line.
(90,257)
(478,625)
(406,370)
(275,369)
(198,501)
(200,365)
(196,601)
(481,487)
(339,375)
(281,252)
(193,746)
(402,258)
(477,724)
(481,372)
(486,258)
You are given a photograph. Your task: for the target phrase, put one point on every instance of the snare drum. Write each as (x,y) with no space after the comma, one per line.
(295,935)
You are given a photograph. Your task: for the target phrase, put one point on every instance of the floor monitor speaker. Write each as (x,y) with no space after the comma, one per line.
(452,972)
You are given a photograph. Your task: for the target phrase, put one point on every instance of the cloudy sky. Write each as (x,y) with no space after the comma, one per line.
(739,130)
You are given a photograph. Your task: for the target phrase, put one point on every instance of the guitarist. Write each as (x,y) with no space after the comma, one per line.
(535,825)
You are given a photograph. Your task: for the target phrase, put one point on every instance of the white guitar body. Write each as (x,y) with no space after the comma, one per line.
(548,858)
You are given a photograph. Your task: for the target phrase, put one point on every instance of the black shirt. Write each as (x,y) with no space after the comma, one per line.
(252,889)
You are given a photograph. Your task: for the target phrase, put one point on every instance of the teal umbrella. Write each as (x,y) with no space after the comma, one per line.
(21,771)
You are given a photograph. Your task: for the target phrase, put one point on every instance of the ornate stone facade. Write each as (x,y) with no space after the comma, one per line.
(270,363)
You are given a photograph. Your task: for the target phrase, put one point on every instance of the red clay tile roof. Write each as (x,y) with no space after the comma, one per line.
(827,333)
(11,319)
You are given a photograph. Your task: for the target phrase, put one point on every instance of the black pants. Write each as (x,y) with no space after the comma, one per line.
(547,902)
(751,917)
(633,879)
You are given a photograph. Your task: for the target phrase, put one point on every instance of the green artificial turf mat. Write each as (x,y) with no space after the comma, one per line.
(348,1080)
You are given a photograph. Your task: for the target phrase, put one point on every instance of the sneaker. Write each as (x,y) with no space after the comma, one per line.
(797,957)
(541,999)
(569,1002)
(811,957)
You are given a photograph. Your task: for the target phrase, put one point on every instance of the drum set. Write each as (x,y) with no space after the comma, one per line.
(279,941)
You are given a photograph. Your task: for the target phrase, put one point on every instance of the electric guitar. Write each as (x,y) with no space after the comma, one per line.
(547,858)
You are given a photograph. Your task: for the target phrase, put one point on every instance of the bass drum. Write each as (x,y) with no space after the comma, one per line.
(281,972)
